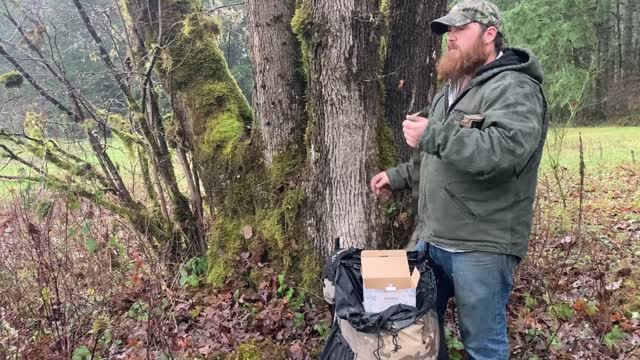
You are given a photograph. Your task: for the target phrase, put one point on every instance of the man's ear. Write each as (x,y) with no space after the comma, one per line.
(490,34)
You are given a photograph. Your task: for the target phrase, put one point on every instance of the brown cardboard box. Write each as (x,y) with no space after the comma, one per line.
(386,279)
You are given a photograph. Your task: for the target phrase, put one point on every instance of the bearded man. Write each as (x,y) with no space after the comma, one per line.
(479,150)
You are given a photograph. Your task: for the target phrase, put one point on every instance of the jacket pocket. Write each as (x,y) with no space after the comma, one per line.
(448,217)
(466,120)
(464,208)
(472,121)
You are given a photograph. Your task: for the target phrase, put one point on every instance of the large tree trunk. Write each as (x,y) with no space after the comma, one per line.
(345,116)
(410,82)
(618,18)
(604,61)
(628,45)
(412,52)
(636,39)
(279,86)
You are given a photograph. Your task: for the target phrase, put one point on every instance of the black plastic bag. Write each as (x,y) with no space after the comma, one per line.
(343,268)
(349,296)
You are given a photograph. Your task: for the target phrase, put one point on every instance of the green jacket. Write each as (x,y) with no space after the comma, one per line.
(479,158)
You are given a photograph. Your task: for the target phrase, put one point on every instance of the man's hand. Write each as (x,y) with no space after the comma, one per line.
(380,185)
(413,128)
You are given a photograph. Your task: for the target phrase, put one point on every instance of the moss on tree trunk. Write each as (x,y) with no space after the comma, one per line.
(226,145)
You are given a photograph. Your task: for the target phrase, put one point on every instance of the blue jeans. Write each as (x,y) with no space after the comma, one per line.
(481,283)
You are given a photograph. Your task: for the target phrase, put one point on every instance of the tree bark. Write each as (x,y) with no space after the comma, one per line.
(628,45)
(618,67)
(636,39)
(412,52)
(605,64)
(279,86)
(154,22)
(210,111)
(345,110)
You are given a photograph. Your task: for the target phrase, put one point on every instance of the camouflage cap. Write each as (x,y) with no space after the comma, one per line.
(467,11)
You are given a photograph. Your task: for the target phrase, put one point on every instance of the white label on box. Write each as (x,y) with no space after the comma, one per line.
(378,300)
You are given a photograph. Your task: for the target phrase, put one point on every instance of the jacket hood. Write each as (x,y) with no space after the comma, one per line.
(512,59)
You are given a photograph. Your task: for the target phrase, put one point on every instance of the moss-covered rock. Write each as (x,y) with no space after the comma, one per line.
(246,352)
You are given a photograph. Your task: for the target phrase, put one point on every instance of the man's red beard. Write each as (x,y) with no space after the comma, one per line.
(455,65)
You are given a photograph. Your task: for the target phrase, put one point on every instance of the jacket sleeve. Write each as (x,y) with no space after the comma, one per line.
(514,109)
(400,176)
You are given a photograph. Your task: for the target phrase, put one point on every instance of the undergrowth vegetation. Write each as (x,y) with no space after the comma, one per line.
(78,283)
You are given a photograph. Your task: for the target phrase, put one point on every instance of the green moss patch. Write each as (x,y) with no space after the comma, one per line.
(11,79)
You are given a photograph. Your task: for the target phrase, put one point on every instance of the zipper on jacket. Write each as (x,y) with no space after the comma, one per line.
(446,101)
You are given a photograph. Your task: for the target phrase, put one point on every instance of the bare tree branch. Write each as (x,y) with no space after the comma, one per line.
(29,42)
(104,55)
(13,156)
(35,85)
(224,6)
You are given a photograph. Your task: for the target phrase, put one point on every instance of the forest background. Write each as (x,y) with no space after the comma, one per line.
(173,173)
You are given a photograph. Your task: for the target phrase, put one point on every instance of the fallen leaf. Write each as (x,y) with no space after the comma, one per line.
(184,342)
(628,326)
(295,350)
(614,285)
(205,350)
(616,317)
(567,239)
(247,232)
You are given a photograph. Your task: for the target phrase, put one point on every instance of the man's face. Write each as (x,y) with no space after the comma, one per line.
(466,51)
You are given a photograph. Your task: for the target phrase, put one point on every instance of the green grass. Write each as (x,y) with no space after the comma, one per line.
(604,147)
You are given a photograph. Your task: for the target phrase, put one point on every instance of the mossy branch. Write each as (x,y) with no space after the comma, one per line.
(11,79)
(31,45)
(50,151)
(35,84)
(13,156)
(107,165)
(143,222)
